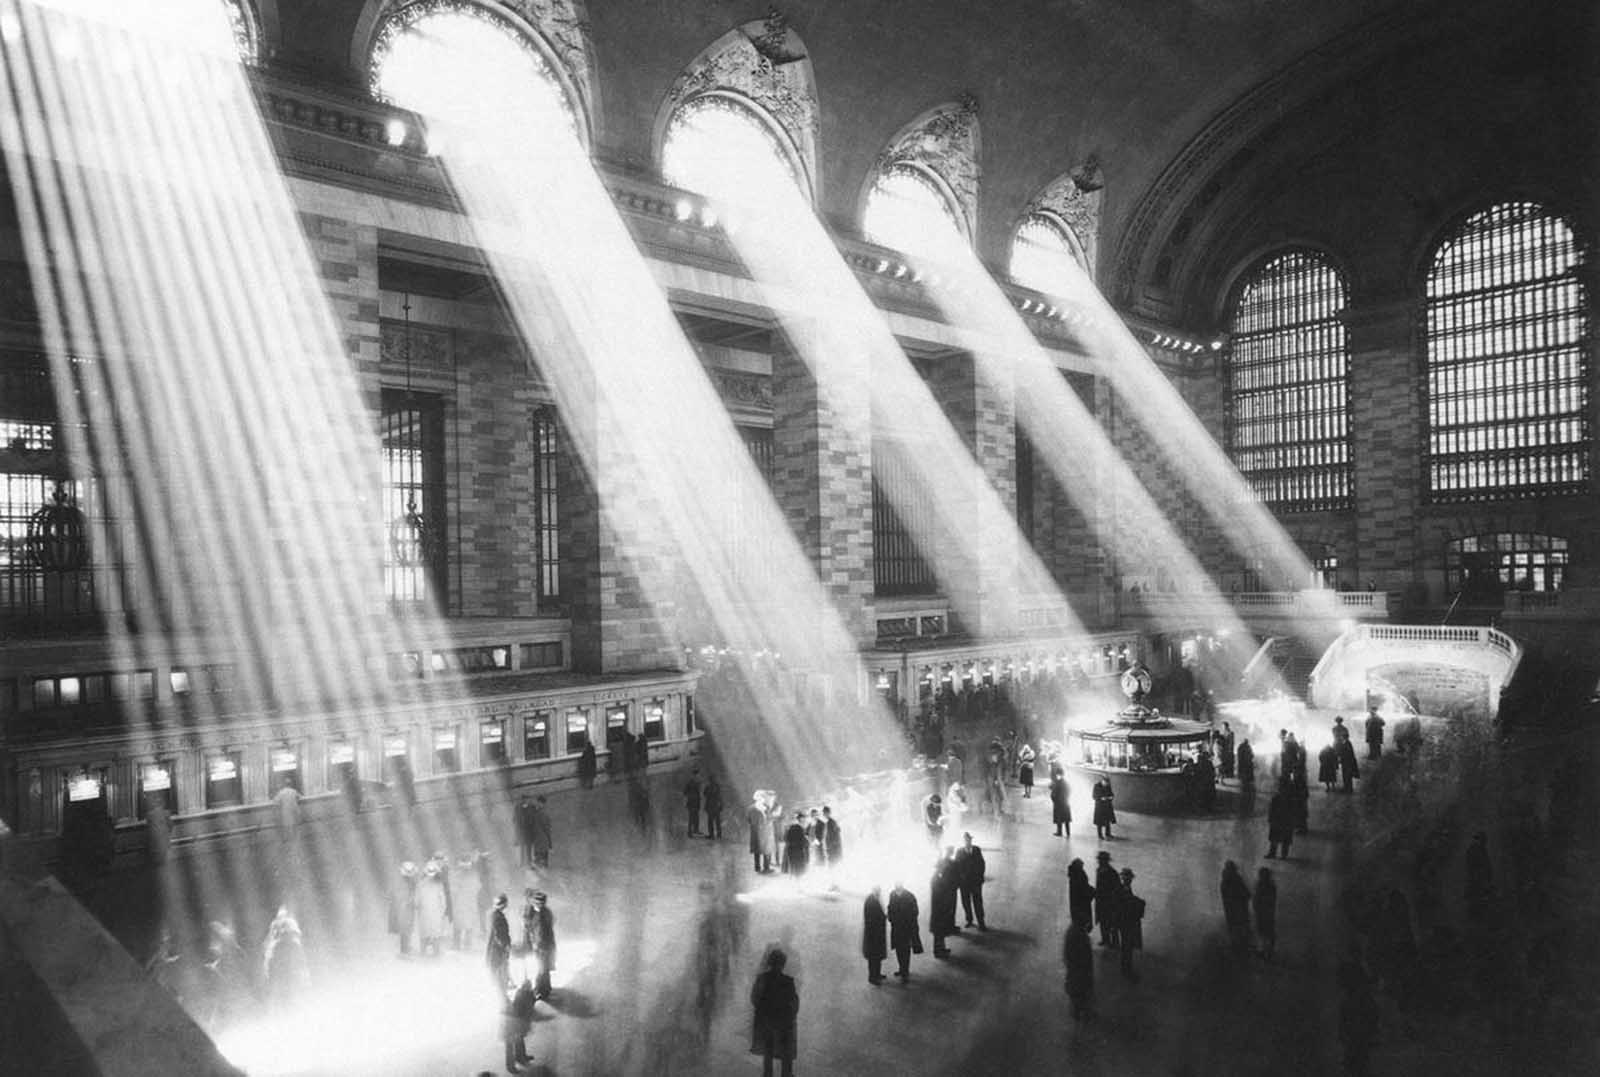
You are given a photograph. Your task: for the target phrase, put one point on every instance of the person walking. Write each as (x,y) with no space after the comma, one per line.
(832,839)
(970,872)
(1247,765)
(776,1005)
(874,935)
(1225,753)
(1236,907)
(1078,956)
(796,846)
(541,930)
(755,817)
(942,903)
(713,804)
(1060,808)
(1130,924)
(516,1019)
(933,818)
(539,836)
(1374,733)
(1107,889)
(522,818)
(1080,895)
(1280,824)
(691,802)
(1328,767)
(1266,909)
(1349,769)
(1104,810)
(1025,757)
(403,906)
(905,937)
(497,951)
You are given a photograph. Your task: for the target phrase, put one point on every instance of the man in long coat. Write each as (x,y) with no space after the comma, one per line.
(796,846)
(1130,924)
(1060,809)
(1236,906)
(1080,895)
(874,935)
(970,872)
(1105,812)
(942,903)
(1374,734)
(1107,892)
(755,817)
(542,934)
(904,936)
(776,1005)
(1280,824)
(497,953)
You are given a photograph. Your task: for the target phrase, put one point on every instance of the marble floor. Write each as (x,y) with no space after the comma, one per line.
(638,992)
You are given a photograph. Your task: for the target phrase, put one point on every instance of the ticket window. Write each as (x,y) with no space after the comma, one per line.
(156,787)
(446,751)
(283,765)
(577,729)
(655,720)
(396,757)
(492,741)
(224,780)
(342,767)
(536,736)
(86,829)
(616,725)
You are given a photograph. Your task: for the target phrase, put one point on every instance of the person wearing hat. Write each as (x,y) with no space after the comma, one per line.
(970,871)
(1107,893)
(1130,928)
(776,1003)
(497,953)
(403,906)
(541,931)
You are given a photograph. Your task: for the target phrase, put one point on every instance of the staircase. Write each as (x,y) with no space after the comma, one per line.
(1283,663)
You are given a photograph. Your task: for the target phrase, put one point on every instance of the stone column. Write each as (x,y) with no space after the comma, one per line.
(1387,428)
(978,570)
(822,464)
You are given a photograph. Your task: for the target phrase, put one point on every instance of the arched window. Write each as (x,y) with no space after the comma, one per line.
(717,145)
(1288,412)
(906,210)
(1508,334)
(246,27)
(1045,256)
(404,66)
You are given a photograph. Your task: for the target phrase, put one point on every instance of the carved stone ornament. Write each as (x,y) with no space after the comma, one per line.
(1075,200)
(945,141)
(764,61)
(749,390)
(429,348)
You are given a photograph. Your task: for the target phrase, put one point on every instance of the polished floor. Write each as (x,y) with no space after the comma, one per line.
(642,917)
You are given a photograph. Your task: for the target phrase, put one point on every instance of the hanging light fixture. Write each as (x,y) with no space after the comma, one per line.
(409,537)
(58,534)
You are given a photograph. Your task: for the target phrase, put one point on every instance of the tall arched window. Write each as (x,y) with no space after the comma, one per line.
(404,66)
(1288,411)
(1508,334)
(719,146)
(1045,256)
(906,210)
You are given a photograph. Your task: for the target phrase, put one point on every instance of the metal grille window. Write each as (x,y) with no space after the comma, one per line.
(1483,566)
(1288,407)
(1508,329)
(898,566)
(413,498)
(753,548)
(546,503)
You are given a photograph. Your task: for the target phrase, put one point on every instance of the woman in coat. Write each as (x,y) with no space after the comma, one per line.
(1080,895)
(1025,759)
(776,1005)
(874,935)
